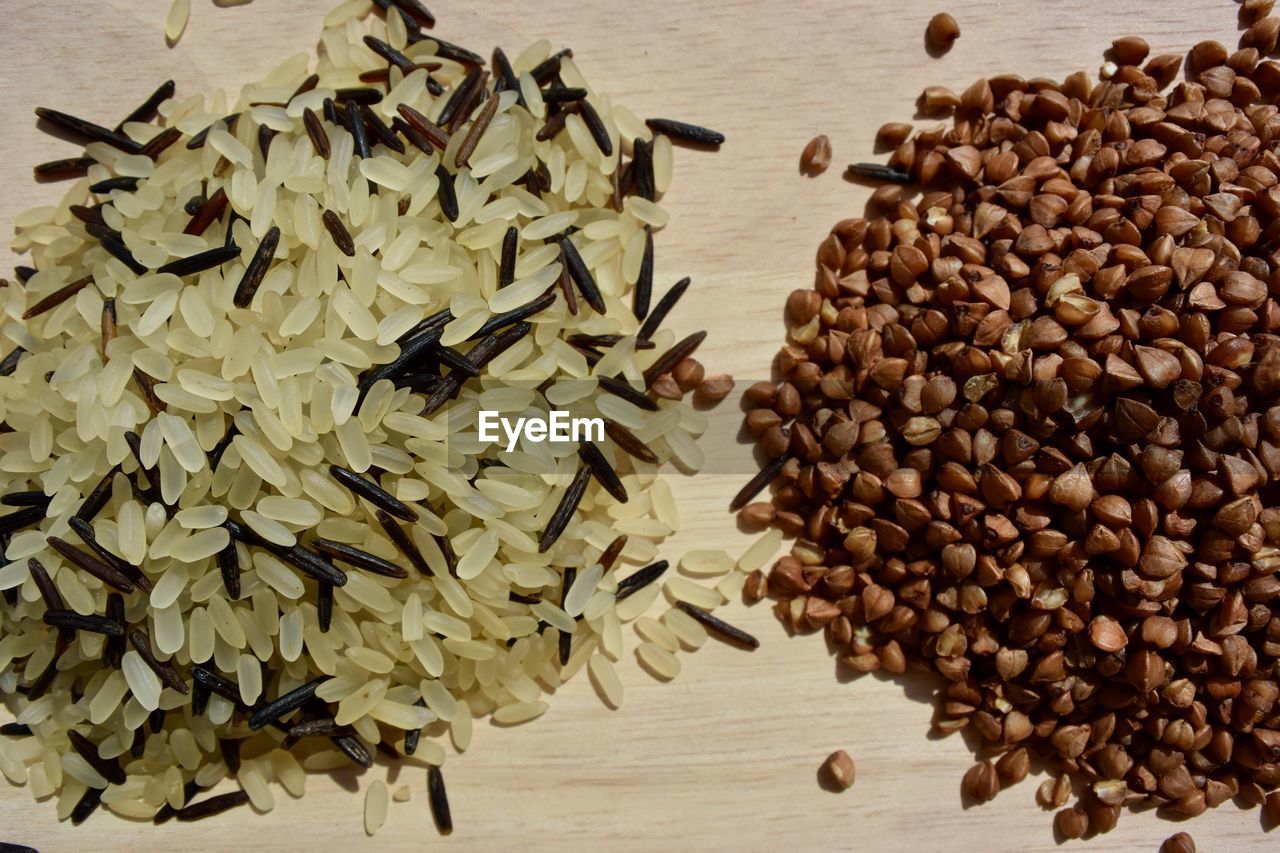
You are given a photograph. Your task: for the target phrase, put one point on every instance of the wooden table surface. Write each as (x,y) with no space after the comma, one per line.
(726,756)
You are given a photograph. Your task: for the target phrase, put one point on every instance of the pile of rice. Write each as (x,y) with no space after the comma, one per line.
(167,417)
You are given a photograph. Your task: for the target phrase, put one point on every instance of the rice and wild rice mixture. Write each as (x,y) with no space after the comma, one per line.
(251,530)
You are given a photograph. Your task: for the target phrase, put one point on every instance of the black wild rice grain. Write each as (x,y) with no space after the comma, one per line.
(640,174)
(119,183)
(763,477)
(610,554)
(15,730)
(147,385)
(86,214)
(353,556)
(507,79)
(357,95)
(113,650)
(90,564)
(134,441)
(413,10)
(373,493)
(24,517)
(564,644)
(412,352)
(214,683)
(97,498)
(155,721)
(208,213)
(507,266)
(412,736)
(286,704)
(579,339)
(475,132)
(546,70)
(390,54)
(107,768)
(88,131)
(450,357)
(446,548)
(354,123)
(448,117)
(521,598)
(628,442)
(323,727)
(442,393)
(553,125)
(149,108)
(315,130)
(215,455)
(663,308)
(595,125)
(305,86)
(34,497)
(229,567)
(10,362)
(416,139)
(352,748)
(198,140)
(449,50)
(602,470)
(508,318)
(230,749)
(445,194)
(63,170)
(74,621)
(385,134)
(324,606)
(53,300)
(341,236)
(102,232)
(719,627)
(439,800)
(257,268)
(681,131)
(167,812)
(138,747)
(644,282)
(201,261)
(44,583)
(623,388)
(141,643)
(85,531)
(433,133)
(469,97)
(87,805)
(331,112)
(108,324)
(565,509)
(215,805)
(24,273)
(265,135)
(581,275)
(162,140)
(678,353)
(877,172)
(563,94)
(639,579)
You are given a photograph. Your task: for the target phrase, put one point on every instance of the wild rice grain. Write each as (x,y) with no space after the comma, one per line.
(439,800)
(680,131)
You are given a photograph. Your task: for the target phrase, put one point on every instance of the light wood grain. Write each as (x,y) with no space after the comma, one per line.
(725,757)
